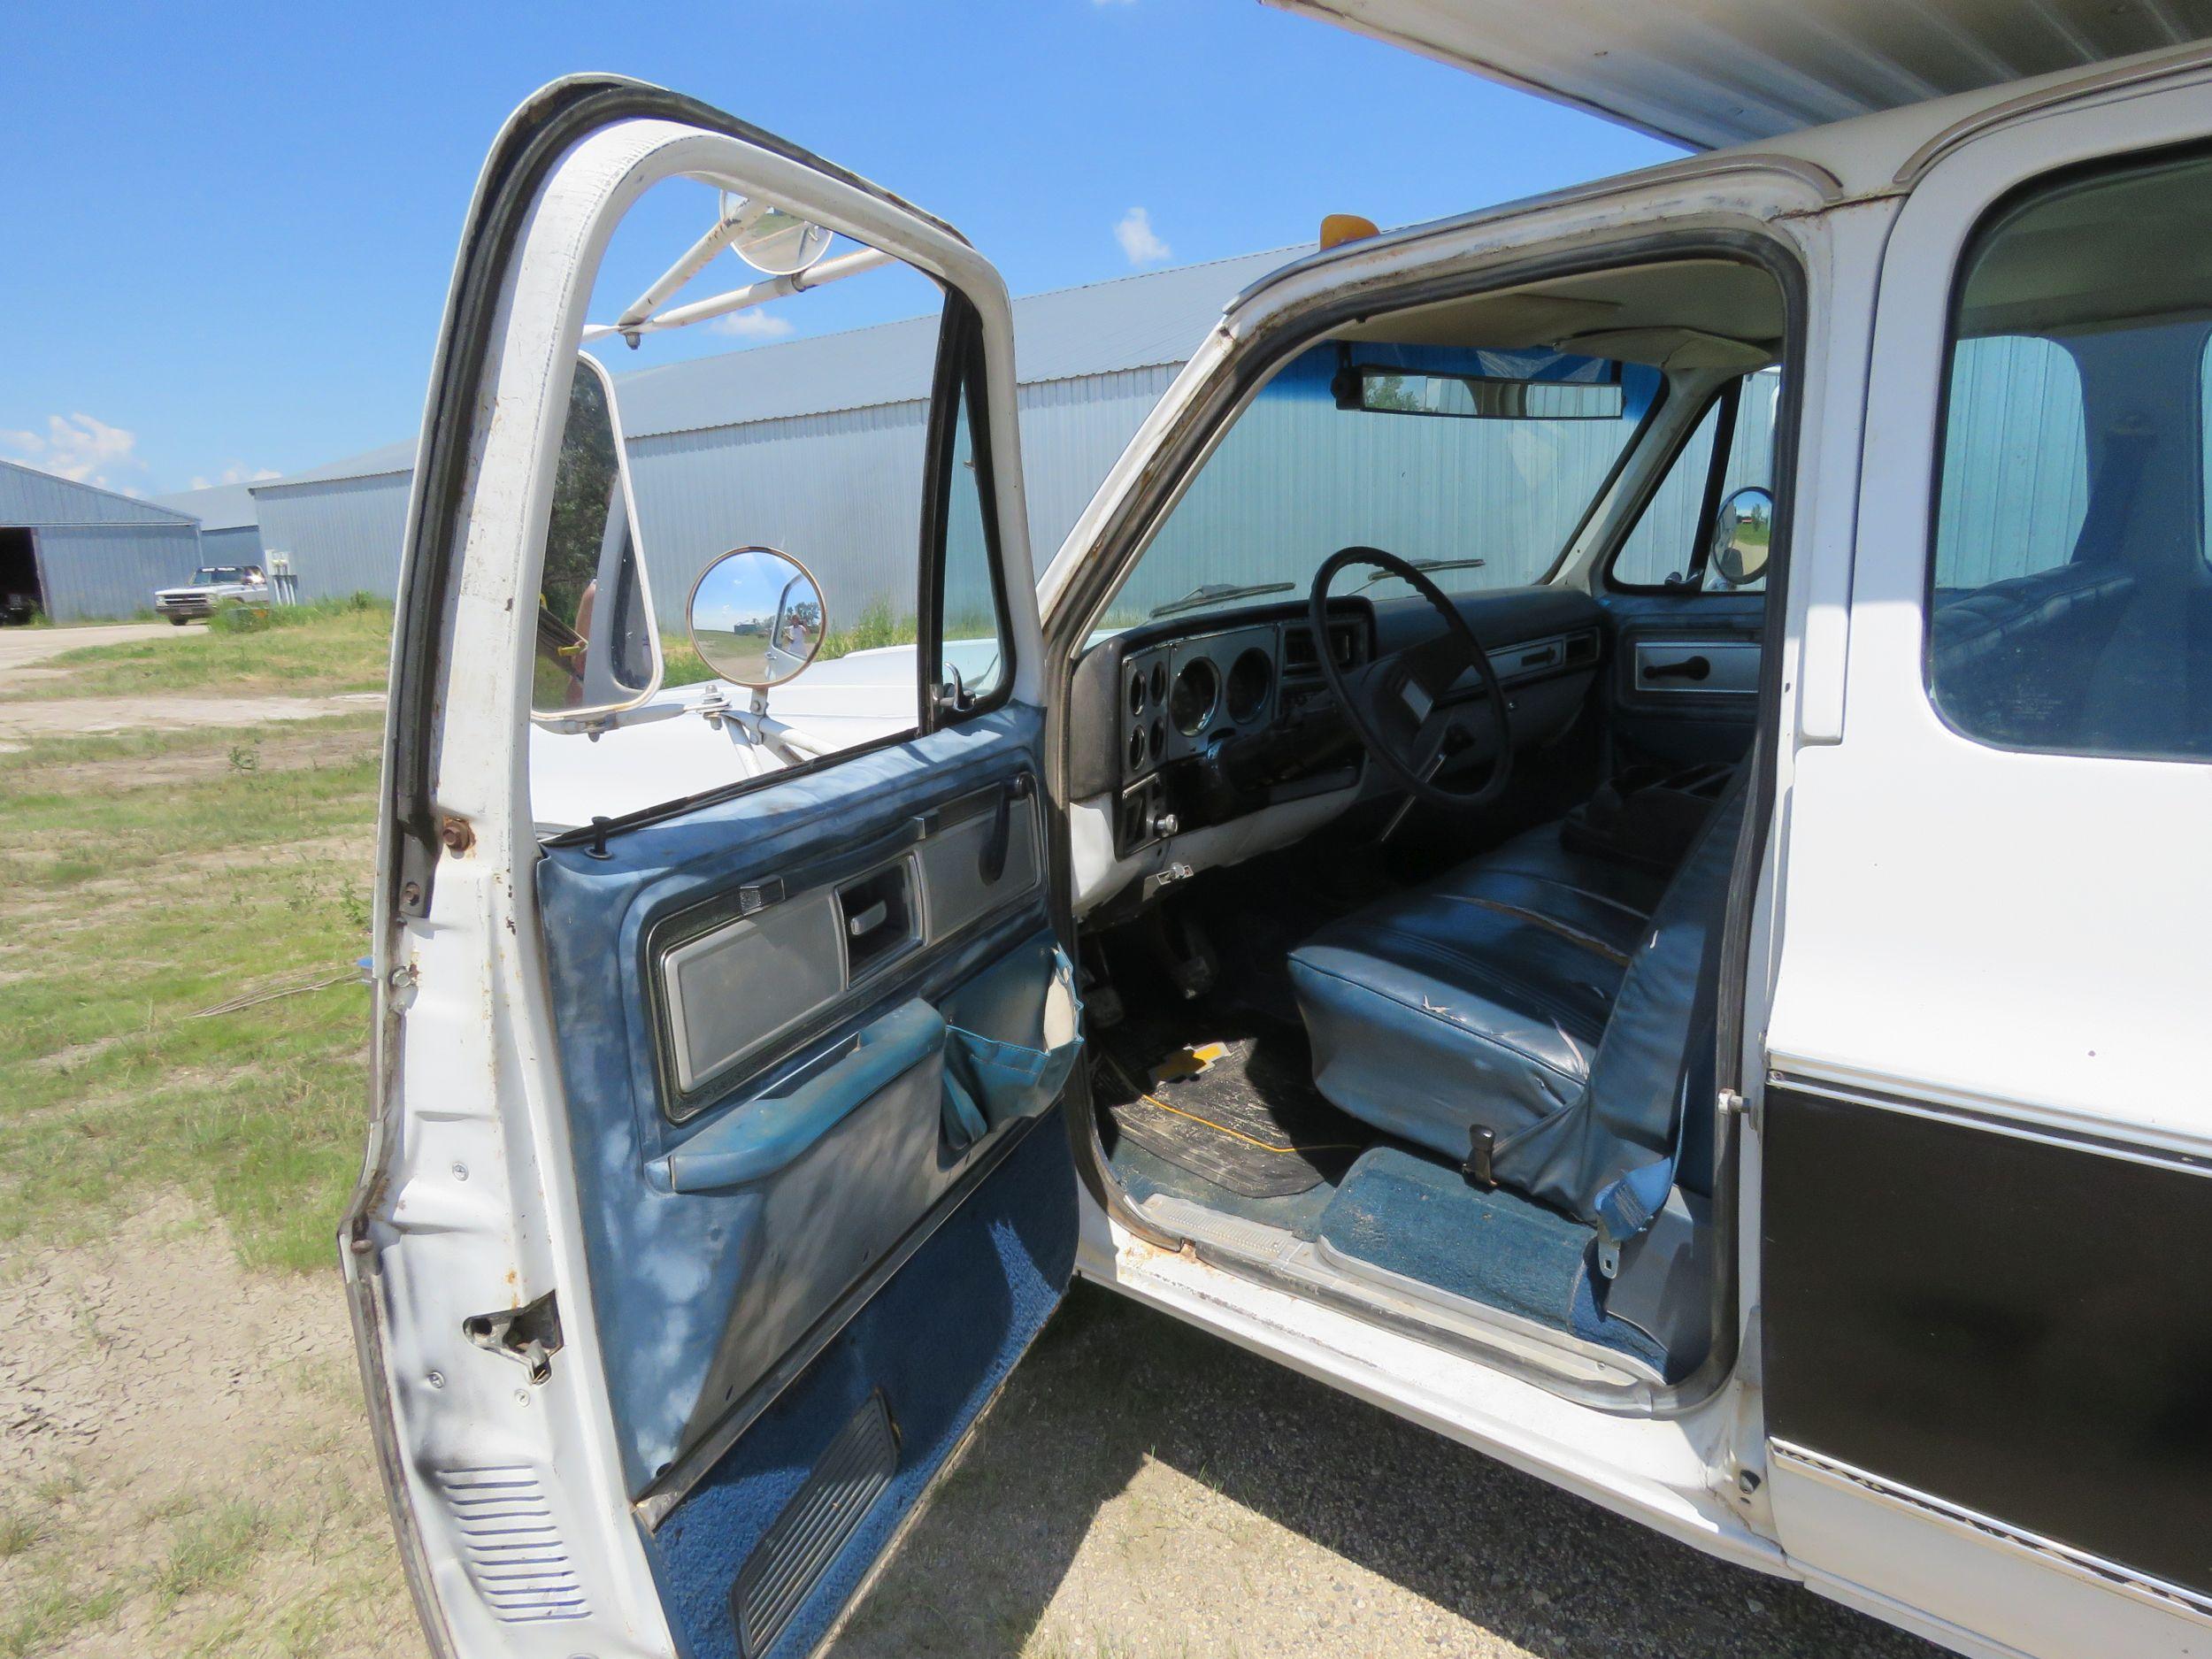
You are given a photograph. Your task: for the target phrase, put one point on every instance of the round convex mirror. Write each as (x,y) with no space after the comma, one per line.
(1741,533)
(756,617)
(781,243)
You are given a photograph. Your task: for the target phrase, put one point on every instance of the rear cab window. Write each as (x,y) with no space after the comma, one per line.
(2070,603)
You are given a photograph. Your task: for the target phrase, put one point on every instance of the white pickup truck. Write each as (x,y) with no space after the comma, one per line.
(1595,839)
(210,586)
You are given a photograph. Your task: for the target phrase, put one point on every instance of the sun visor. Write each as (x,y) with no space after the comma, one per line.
(1679,349)
(1503,322)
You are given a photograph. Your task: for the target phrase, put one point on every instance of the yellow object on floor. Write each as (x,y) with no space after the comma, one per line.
(1188,1062)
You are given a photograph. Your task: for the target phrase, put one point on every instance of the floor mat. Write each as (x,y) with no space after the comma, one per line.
(1422,1221)
(1237,1106)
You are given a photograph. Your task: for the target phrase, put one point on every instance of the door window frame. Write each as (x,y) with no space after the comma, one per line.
(957,386)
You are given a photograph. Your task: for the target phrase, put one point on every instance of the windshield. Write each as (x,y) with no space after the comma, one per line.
(215,575)
(1476,465)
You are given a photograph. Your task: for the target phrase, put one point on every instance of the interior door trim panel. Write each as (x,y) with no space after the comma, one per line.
(780,966)
(1931,1316)
(1680,666)
(794,948)
(683,1348)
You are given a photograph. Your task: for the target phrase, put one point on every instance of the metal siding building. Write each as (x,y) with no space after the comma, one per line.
(96,553)
(229,532)
(815,446)
(341,524)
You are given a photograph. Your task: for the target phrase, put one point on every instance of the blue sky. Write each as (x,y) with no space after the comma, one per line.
(229,229)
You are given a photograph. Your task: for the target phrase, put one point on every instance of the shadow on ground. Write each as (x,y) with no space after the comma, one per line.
(1142,1487)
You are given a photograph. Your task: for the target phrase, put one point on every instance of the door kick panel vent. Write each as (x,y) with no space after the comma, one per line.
(792,1556)
(509,1544)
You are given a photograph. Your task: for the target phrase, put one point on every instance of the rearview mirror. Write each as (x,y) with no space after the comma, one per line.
(757,617)
(1742,531)
(1475,398)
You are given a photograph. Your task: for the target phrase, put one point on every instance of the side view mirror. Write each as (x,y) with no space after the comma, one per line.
(1742,531)
(598,649)
(757,617)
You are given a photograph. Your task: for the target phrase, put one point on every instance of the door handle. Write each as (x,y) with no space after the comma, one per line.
(992,864)
(1688,668)
(763,1136)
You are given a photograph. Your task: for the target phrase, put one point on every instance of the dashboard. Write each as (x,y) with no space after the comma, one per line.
(1213,718)
(1195,740)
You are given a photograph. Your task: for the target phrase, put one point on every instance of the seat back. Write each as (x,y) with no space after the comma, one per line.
(1610,1157)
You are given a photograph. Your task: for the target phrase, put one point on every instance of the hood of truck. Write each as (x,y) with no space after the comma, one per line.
(1710,74)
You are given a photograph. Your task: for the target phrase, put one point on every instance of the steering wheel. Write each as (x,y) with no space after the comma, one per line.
(1396,702)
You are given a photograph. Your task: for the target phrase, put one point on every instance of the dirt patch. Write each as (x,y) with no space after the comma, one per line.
(21,720)
(281,750)
(183,1460)
(1142,1487)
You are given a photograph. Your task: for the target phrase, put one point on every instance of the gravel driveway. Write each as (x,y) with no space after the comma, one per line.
(19,648)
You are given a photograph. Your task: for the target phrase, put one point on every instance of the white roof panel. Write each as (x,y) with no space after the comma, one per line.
(1710,74)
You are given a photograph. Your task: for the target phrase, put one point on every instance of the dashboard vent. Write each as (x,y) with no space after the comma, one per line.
(1298,658)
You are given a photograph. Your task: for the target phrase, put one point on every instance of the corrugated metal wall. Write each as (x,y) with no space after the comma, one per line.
(842,490)
(1662,543)
(343,534)
(28,496)
(239,545)
(842,493)
(1073,431)
(99,554)
(1298,477)
(2016,475)
(112,569)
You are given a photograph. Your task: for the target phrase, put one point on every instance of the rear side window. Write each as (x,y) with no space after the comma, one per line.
(2069,605)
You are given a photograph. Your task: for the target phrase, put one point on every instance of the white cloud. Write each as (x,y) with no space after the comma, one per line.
(237,472)
(752,325)
(1139,241)
(80,447)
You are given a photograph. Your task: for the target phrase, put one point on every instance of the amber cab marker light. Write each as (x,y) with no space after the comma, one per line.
(1342,227)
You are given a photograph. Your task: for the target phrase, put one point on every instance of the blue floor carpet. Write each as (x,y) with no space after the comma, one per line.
(1407,1215)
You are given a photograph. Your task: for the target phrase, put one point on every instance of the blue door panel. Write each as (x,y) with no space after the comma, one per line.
(1683,725)
(1001,1262)
(698,1293)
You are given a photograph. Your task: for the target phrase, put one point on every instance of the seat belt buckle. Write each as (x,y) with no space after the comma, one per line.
(1481,1142)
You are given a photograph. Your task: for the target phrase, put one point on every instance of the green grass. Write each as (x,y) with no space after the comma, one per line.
(50,1613)
(212,1548)
(18,1533)
(330,646)
(149,876)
